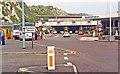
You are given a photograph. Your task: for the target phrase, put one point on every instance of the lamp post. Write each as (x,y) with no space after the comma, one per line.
(110,35)
(23,23)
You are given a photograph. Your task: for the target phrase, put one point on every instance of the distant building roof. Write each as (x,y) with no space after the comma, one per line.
(59,16)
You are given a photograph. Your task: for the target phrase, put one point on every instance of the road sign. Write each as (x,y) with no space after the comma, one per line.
(51,58)
(28,29)
(89,17)
(99,25)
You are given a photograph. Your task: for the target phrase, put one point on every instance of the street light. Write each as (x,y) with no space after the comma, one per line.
(110,36)
(23,23)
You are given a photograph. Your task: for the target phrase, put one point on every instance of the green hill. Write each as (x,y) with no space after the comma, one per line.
(12,12)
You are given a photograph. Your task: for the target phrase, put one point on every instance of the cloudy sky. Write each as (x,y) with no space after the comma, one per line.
(94,7)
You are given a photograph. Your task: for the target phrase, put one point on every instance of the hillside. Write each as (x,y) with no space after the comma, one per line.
(47,10)
(12,12)
(50,10)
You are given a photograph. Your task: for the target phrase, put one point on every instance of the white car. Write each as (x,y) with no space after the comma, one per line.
(66,34)
(70,32)
(76,32)
(55,32)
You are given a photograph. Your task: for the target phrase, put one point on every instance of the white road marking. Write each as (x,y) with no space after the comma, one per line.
(65,53)
(22,70)
(74,67)
(65,58)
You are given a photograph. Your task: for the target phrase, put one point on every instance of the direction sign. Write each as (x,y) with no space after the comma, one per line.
(28,29)
(99,25)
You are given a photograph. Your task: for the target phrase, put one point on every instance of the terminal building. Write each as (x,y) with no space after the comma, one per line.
(87,23)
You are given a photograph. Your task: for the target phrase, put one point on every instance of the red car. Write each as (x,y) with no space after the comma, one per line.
(80,33)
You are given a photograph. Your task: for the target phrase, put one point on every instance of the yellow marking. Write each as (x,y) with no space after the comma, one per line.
(71,52)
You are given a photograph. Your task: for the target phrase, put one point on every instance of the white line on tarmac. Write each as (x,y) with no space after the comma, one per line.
(74,67)
(22,70)
(65,58)
(65,53)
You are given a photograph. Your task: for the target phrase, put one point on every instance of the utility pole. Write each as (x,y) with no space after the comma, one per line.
(23,23)
(110,35)
(110,18)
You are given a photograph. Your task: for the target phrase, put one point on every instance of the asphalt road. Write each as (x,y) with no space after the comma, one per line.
(91,56)
(60,37)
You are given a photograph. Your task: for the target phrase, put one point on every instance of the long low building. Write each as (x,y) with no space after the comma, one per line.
(86,22)
(66,23)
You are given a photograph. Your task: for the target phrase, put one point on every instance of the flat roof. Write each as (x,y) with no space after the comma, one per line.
(59,16)
(101,17)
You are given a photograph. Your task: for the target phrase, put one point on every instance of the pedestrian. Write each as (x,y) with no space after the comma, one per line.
(43,36)
(0,38)
(3,39)
(40,34)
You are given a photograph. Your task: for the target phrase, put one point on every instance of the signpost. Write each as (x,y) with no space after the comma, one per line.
(29,29)
(23,22)
(51,58)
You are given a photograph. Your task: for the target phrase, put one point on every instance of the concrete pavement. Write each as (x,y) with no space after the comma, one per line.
(15,47)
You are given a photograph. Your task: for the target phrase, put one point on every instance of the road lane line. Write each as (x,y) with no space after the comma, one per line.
(74,67)
(65,58)
(22,70)
(65,54)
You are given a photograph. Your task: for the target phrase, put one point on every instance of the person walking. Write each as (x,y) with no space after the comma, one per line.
(3,39)
(40,34)
(43,35)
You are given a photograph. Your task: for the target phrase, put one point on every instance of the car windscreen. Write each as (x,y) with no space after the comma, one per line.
(16,27)
(66,33)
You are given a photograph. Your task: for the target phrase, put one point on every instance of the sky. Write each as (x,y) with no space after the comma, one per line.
(93,7)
